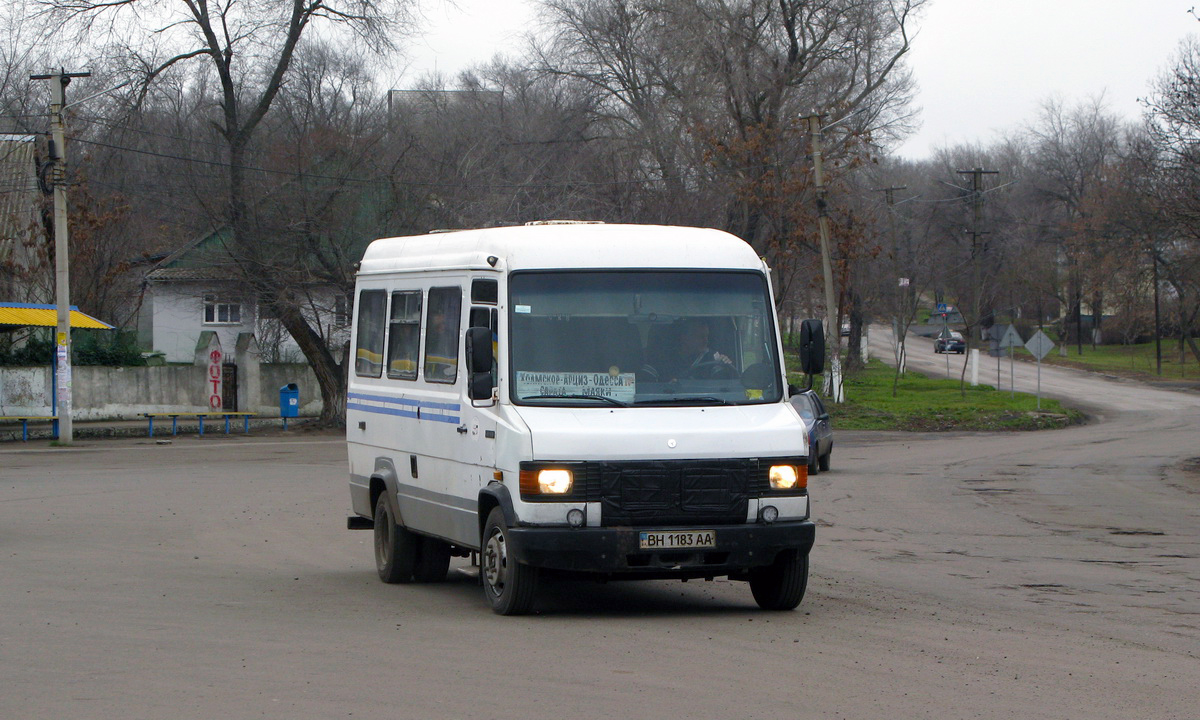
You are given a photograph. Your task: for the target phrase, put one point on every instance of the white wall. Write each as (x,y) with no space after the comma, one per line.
(25,390)
(178,318)
(114,393)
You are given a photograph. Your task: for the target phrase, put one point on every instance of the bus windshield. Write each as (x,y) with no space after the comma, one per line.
(623,338)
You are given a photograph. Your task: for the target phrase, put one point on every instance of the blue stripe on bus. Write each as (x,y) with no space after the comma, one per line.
(381,410)
(408,408)
(405,401)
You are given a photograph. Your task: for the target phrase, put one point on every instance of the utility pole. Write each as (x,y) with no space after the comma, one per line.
(899,320)
(976,248)
(1157,319)
(62,284)
(833,332)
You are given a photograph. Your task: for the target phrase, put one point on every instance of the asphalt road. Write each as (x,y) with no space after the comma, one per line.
(1034,575)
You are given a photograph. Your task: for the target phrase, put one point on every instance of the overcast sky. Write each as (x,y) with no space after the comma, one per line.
(983,66)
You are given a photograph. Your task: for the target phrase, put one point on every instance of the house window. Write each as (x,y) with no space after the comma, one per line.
(341,313)
(220,312)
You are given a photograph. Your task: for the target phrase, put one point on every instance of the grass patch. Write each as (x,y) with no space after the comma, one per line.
(924,404)
(1129,360)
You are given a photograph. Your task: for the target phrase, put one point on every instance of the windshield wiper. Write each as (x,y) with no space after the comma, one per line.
(610,401)
(707,399)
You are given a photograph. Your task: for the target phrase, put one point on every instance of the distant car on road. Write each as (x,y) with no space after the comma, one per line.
(953,343)
(820,430)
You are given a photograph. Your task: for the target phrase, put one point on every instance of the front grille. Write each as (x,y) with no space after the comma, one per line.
(666,493)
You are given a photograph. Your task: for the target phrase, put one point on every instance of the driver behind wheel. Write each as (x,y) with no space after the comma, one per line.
(696,358)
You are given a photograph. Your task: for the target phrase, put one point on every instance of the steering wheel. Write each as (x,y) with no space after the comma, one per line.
(712,370)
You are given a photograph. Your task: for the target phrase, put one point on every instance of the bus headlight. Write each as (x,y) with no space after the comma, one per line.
(554,482)
(549,481)
(788,477)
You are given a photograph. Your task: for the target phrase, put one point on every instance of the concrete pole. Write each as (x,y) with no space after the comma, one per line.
(833,332)
(62,261)
(62,253)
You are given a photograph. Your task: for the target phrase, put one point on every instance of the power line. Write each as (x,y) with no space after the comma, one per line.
(714,171)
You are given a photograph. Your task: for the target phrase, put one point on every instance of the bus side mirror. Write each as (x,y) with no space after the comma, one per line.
(812,347)
(479,363)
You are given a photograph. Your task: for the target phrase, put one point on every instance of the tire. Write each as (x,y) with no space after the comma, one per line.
(509,586)
(780,586)
(433,560)
(823,460)
(814,464)
(395,546)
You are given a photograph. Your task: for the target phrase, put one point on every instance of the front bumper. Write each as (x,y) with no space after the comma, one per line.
(617,551)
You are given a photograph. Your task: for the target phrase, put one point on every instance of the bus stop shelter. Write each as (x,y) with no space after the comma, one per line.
(16,315)
(20,315)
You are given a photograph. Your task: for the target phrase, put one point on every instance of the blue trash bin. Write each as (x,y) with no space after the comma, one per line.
(289,402)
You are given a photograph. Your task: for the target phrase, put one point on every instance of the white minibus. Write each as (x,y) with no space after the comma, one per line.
(569,399)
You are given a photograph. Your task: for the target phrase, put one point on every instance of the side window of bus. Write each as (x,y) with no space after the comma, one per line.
(488,318)
(368,355)
(484,292)
(442,320)
(404,335)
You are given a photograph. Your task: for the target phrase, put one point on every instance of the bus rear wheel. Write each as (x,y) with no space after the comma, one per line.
(395,546)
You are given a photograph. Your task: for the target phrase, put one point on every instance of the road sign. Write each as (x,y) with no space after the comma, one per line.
(1039,345)
(941,307)
(1011,338)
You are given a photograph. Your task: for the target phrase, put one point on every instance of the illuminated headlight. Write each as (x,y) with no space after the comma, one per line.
(787,477)
(545,483)
(554,482)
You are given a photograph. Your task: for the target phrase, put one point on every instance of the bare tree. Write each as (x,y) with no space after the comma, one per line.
(724,85)
(1173,124)
(249,48)
(1072,149)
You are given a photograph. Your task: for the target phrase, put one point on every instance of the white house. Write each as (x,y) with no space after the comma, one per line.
(194,290)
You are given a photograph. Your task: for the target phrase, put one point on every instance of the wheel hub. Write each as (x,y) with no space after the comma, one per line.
(495,558)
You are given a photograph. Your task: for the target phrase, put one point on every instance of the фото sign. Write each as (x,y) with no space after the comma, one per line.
(213,380)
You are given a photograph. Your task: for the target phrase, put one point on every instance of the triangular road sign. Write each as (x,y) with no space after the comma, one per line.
(1011,338)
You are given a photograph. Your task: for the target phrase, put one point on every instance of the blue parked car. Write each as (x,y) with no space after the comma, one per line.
(951,342)
(820,430)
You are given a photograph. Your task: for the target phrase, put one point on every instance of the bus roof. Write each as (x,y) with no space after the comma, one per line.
(562,246)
